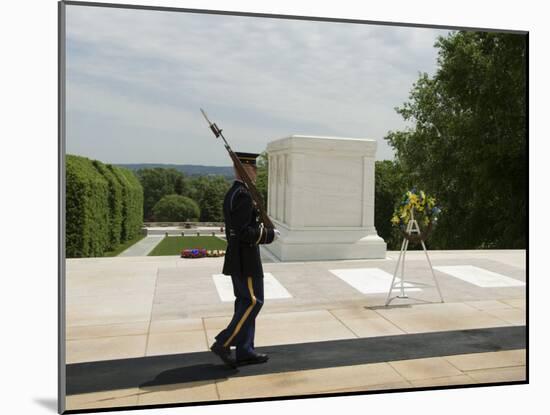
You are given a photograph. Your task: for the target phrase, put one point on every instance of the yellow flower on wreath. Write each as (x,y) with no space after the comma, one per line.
(415,201)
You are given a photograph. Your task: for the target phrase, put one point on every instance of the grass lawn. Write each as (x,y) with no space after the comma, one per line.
(173,245)
(124,246)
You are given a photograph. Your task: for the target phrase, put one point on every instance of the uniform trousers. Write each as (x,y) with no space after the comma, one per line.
(249,298)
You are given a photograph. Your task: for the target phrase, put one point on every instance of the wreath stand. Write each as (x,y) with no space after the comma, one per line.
(412,233)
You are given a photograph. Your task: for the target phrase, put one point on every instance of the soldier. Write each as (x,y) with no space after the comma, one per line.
(242,261)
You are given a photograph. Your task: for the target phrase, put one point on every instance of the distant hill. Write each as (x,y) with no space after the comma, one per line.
(187,169)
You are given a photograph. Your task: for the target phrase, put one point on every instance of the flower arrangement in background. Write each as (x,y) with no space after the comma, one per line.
(426,211)
(201,253)
(193,253)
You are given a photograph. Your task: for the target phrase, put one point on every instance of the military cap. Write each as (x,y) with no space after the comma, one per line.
(247,158)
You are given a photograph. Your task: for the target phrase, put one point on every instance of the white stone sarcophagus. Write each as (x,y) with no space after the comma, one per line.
(321,198)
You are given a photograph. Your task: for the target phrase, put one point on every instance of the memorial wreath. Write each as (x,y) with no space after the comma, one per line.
(422,207)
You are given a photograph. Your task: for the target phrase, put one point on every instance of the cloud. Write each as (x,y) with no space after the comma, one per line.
(259,78)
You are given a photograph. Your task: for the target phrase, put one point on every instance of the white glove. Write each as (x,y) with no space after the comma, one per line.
(277,234)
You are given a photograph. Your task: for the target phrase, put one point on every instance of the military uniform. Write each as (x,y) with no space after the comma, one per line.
(242,261)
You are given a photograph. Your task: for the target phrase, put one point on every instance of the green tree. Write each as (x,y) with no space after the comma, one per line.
(209,192)
(176,208)
(179,185)
(159,182)
(262,176)
(390,185)
(467,145)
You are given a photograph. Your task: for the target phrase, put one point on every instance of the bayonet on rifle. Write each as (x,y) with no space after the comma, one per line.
(217,132)
(242,172)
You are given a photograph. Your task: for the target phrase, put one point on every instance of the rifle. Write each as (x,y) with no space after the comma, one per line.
(244,175)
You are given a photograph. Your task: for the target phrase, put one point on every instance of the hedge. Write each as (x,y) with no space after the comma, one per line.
(132,202)
(115,204)
(87,209)
(104,207)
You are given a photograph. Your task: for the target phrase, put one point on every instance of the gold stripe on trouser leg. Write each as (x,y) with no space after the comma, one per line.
(245,315)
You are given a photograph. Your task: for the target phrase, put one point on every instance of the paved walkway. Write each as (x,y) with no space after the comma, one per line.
(143,247)
(162,314)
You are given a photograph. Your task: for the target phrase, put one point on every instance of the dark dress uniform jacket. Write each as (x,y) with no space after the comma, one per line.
(244,233)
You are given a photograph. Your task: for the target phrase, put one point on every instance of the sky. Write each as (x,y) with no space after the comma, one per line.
(137,78)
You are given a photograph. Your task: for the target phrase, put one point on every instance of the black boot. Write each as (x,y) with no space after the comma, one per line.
(253,359)
(223,353)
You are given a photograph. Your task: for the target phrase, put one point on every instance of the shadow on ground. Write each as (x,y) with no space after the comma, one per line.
(188,374)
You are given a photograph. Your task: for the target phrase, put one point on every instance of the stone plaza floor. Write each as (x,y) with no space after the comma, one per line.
(139,328)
